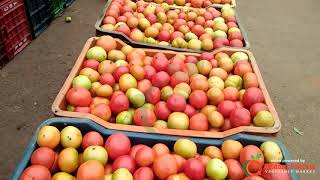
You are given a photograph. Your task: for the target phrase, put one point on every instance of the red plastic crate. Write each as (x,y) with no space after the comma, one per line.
(14,28)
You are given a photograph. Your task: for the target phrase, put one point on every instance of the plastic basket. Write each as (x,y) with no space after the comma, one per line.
(39,14)
(68,3)
(85,126)
(14,29)
(59,105)
(123,37)
(57,8)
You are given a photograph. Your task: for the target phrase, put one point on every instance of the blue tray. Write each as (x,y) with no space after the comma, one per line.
(86,125)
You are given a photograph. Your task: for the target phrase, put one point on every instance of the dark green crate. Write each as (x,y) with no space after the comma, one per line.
(57,7)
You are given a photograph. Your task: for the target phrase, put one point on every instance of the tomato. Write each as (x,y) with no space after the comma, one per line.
(180,161)
(194,169)
(102,111)
(145,156)
(43,156)
(134,149)
(125,161)
(160,149)
(92,138)
(48,136)
(82,109)
(235,171)
(213,152)
(143,173)
(199,122)
(79,96)
(117,145)
(92,170)
(144,117)
(164,166)
(35,172)
(204,159)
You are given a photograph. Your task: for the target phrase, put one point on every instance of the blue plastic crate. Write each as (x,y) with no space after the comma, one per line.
(68,3)
(86,125)
(39,15)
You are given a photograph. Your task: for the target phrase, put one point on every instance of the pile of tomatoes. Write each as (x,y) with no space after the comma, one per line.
(69,155)
(209,92)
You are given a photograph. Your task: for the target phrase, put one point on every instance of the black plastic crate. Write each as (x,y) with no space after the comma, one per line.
(68,3)
(39,14)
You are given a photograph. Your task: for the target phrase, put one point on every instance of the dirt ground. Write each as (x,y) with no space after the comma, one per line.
(284,38)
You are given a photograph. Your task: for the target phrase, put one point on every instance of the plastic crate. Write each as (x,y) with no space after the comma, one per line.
(57,7)
(127,39)
(68,3)
(39,14)
(14,29)
(60,104)
(85,126)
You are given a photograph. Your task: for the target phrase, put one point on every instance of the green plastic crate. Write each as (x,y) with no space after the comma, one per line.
(57,7)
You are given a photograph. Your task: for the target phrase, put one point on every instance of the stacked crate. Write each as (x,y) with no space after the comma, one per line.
(39,14)
(14,29)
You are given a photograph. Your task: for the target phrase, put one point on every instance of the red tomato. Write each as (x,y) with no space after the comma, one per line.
(82,109)
(180,161)
(199,122)
(235,171)
(79,96)
(43,156)
(164,166)
(143,173)
(92,139)
(35,172)
(134,150)
(145,156)
(194,169)
(117,145)
(125,161)
(91,169)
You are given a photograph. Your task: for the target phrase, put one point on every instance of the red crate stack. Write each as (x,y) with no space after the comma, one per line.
(14,29)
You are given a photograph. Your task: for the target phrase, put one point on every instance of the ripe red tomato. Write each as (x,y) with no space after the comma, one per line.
(91,169)
(43,156)
(91,138)
(143,173)
(134,150)
(144,117)
(194,169)
(235,171)
(198,99)
(199,122)
(117,144)
(145,156)
(35,172)
(125,161)
(164,166)
(79,96)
